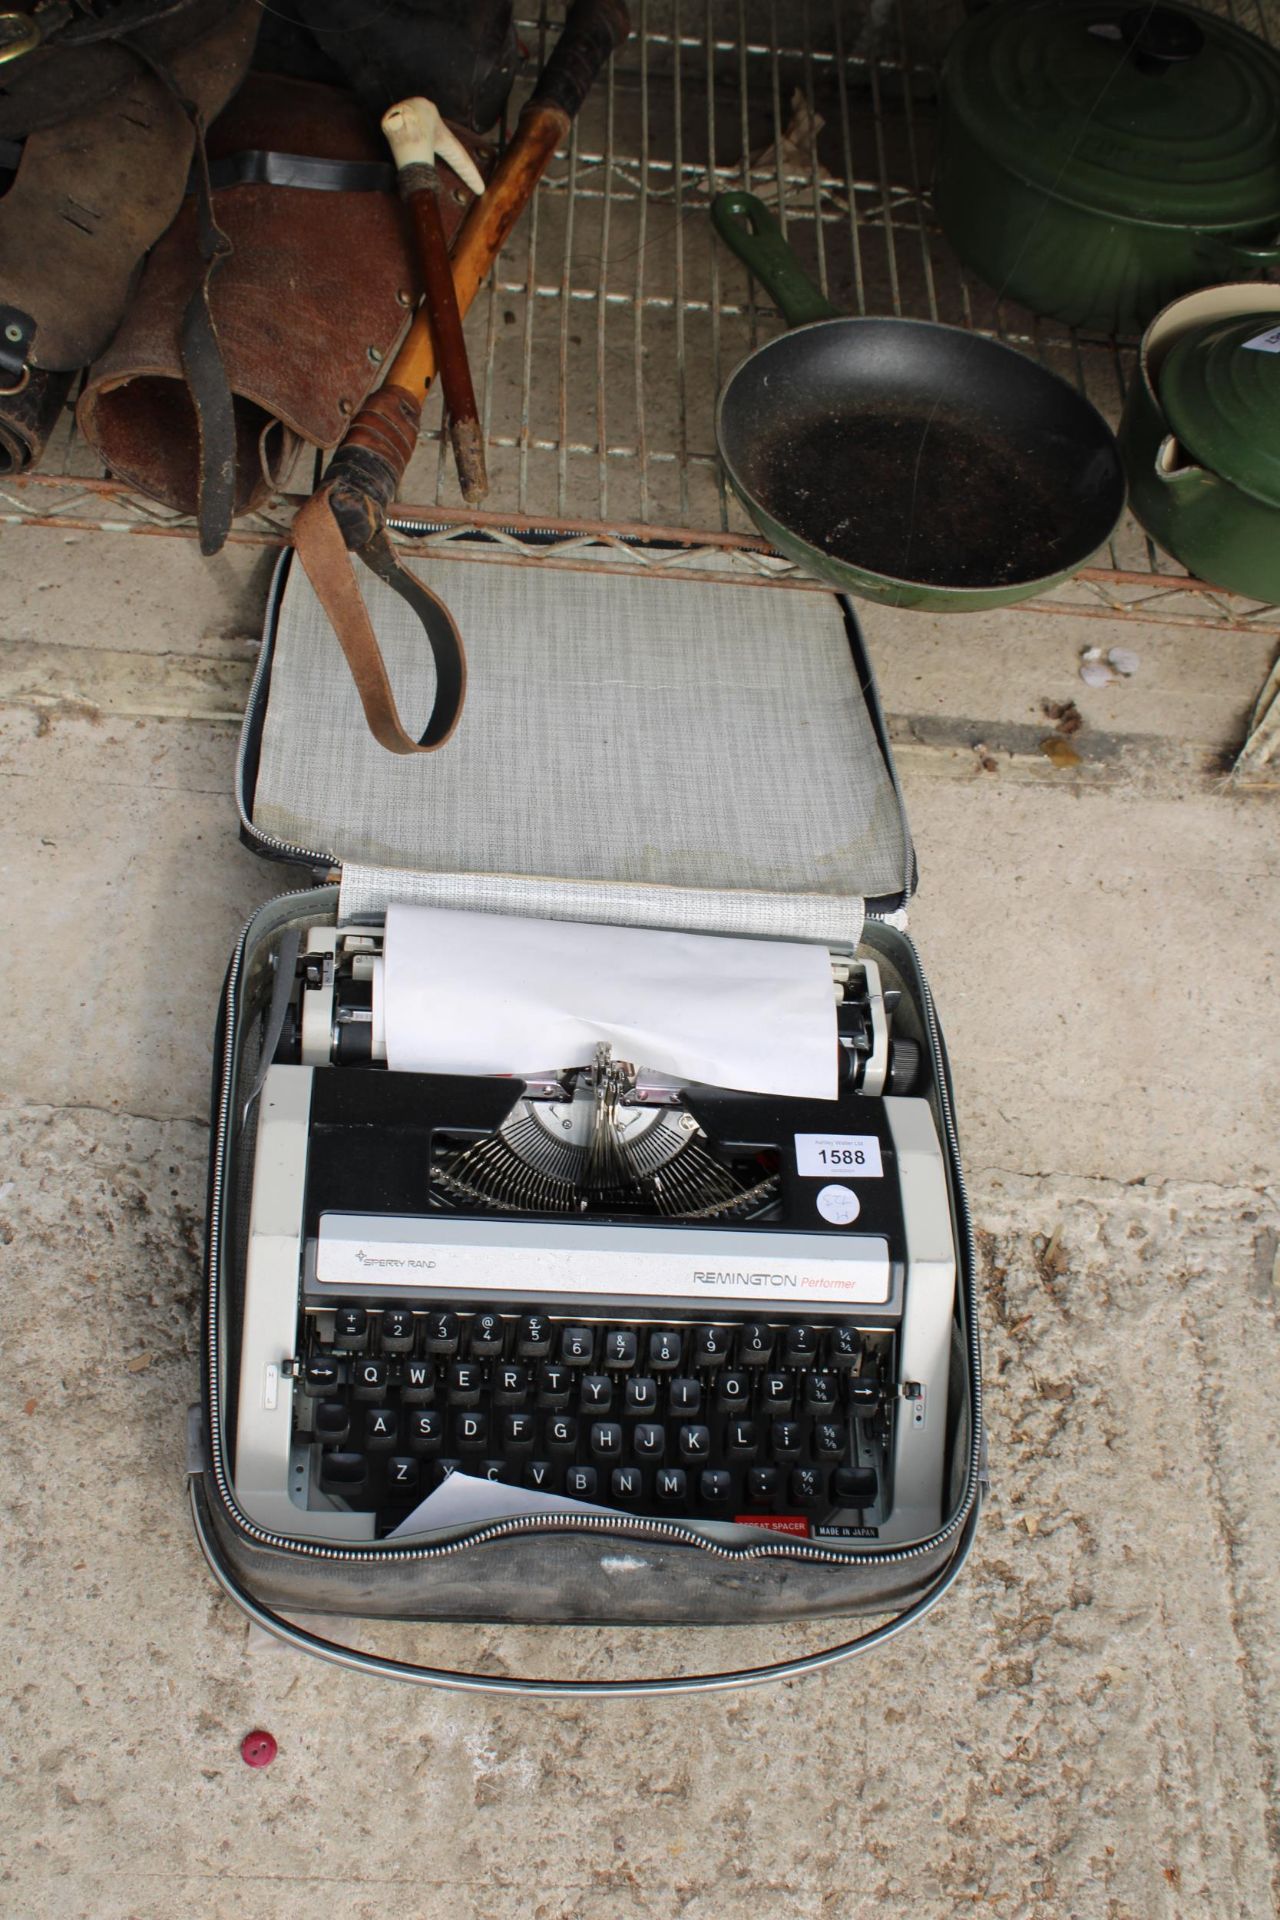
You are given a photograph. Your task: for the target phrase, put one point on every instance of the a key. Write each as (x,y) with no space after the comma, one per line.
(829,1441)
(715,1485)
(466,1378)
(820,1392)
(518,1430)
(710,1346)
(664,1350)
(577,1346)
(419,1382)
(762,1485)
(596,1395)
(755,1344)
(642,1394)
(533,1337)
(778,1392)
(670,1483)
(540,1475)
(606,1440)
(555,1384)
(686,1396)
(487,1334)
(844,1349)
(510,1384)
(854,1486)
(562,1433)
(369,1379)
(806,1487)
(344,1473)
(694,1442)
(785,1439)
(426,1431)
(333,1422)
(351,1328)
(649,1440)
(864,1398)
(733,1392)
(381,1429)
(492,1470)
(321,1376)
(442,1333)
(471,1431)
(580,1483)
(620,1348)
(799,1346)
(627,1483)
(742,1439)
(397,1330)
(402,1476)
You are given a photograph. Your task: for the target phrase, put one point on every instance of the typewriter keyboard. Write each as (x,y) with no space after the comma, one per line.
(784,1423)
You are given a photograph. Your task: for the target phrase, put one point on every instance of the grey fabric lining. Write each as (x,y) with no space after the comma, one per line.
(669,753)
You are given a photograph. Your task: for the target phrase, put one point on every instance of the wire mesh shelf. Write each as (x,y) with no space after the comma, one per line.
(614,315)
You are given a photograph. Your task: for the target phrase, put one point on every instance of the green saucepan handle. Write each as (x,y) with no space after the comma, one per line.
(749,228)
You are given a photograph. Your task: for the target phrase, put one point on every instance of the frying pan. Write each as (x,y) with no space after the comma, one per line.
(909,462)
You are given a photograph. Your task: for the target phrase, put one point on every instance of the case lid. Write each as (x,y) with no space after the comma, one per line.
(693,752)
(1162,114)
(1220,390)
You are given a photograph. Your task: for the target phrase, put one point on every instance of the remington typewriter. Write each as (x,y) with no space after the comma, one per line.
(595,1286)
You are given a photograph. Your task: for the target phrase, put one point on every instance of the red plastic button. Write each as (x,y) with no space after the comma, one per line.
(258,1749)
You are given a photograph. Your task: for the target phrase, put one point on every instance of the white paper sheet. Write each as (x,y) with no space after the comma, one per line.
(466,1500)
(494,993)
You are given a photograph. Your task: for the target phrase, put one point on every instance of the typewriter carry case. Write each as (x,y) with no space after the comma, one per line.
(652,738)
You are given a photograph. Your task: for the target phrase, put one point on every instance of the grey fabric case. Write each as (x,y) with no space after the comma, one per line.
(704,752)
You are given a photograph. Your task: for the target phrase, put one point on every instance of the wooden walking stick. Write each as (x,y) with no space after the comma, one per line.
(346,514)
(416,135)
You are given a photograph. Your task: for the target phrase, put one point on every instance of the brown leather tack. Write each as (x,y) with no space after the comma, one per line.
(307,308)
(28,417)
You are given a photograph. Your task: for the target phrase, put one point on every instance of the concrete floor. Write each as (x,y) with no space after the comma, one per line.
(1088,1727)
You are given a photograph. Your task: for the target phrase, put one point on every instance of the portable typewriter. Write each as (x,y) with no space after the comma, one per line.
(596,1285)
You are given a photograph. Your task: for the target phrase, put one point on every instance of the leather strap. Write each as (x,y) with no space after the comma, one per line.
(322,549)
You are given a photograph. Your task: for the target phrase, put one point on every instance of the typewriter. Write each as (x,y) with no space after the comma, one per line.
(596,1285)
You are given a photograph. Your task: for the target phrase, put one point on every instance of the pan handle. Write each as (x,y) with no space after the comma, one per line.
(748,227)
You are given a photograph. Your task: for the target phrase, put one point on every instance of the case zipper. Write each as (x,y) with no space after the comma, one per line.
(637,1527)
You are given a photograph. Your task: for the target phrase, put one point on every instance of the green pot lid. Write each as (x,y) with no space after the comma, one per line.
(1160,114)
(1220,393)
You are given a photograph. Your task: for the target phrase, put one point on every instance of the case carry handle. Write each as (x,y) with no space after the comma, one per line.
(459,1682)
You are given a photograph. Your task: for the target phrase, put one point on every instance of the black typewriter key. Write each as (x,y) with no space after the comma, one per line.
(854,1486)
(580,1483)
(466,1378)
(733,1392)
(778,1392)
(561,1433)
(333,1422)
(381,1429)
(402,1476)
(606,1440)
(510,1385)
(710,1346)
(441,1469)
(741,1439)
(620,1348)
(541,1476)
(844,1349)
(577,1345)
(799,1346)
(350,1328)
(829,1441)
(664,1350)
(785,1439)
(518,1430)
(320,1376)
(533,1337)
(554,1385)
(471,1431)
(493,1470)
(419,1382)
(487,1335)
(820,1393)
(344,1473)
(397,1330)
(695,1443)
(686,1396)
(671,1483)
(715,1486)
(755,1345)
(762,1485)
(627,1483)
(369,1379)
(864,1397)
(426,1432)
(807,1486)
(649,1440)
(596,1393)
(442,1333)
(642,1394)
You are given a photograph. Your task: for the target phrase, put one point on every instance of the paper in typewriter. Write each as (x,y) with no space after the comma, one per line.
(493,993)
(673,753)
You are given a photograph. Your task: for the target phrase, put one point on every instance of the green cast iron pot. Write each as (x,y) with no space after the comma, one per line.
(1218,530)
(1095,161)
